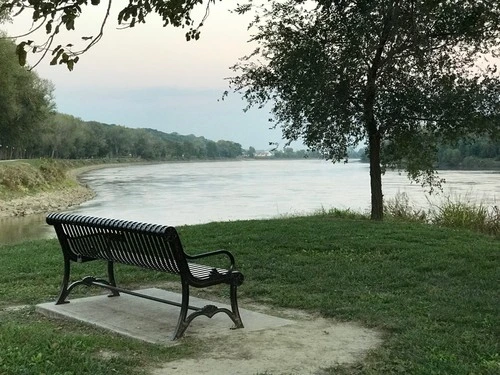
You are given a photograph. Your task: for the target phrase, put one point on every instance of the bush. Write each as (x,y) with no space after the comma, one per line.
(467,215)
(453,212)
(400,207)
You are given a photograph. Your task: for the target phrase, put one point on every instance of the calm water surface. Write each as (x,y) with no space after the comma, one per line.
(192,193)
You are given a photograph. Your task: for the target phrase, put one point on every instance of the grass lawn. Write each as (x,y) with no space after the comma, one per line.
(434,292)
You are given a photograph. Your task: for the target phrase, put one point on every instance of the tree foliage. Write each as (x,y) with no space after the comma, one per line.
(67,137)
(4,14)
(25,100)
(402,76)
(482,153)
(56,16)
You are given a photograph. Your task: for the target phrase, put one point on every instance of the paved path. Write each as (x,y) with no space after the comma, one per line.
(298,344)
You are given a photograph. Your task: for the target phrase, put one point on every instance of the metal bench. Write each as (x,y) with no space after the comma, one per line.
(151,246)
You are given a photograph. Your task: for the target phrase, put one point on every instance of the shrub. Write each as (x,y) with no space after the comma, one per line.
(400,208)
(462,214)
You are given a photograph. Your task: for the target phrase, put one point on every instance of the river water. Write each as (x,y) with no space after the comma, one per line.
(201,192)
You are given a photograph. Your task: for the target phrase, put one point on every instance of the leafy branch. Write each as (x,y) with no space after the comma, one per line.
(58,14)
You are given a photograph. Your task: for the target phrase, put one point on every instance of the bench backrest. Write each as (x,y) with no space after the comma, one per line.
(152,246)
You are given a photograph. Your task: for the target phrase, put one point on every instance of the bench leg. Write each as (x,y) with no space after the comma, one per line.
(208,311)
(64,284)
(182,323)
(65,289)
(236,318)
(111,278)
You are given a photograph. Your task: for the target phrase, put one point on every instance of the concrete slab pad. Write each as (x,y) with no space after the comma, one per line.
(152,321)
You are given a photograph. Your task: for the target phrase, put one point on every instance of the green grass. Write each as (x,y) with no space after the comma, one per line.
(33,344)
(432,291)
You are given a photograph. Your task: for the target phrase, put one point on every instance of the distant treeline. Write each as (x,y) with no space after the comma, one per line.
(30,128)
(64,136)
(67,137)
(481,153)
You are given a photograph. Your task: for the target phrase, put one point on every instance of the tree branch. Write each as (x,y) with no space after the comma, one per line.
(101,31)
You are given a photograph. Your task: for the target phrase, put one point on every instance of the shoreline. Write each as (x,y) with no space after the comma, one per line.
(59,199)
(55,200)
(66,197)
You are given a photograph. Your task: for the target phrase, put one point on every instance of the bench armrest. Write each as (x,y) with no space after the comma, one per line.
(214,253)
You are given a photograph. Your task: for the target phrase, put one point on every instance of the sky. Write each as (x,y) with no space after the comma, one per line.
(151,77)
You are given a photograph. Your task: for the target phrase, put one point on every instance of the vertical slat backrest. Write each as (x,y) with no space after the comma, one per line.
(150,246)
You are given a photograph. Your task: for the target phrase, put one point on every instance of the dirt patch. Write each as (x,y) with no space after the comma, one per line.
(307,347)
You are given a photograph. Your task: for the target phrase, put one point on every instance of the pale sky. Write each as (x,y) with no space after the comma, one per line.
(149,76)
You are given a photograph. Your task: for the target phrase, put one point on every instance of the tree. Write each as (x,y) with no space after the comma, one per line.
(228,149)
(25,100)
(402,76)
(251,152)
(212,152)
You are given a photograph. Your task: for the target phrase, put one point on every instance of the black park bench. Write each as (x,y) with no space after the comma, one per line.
(150,246)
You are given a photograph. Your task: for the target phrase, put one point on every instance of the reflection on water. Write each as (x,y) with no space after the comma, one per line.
(25,228)
(191,193)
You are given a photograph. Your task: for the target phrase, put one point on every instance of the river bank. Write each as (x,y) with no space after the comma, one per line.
(183,193)
(59,198)
(54,200)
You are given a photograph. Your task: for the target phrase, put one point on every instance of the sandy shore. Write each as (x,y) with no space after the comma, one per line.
(50,201)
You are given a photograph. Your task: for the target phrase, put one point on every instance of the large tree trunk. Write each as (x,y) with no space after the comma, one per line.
(377,212)
(372,128)
(374,142)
